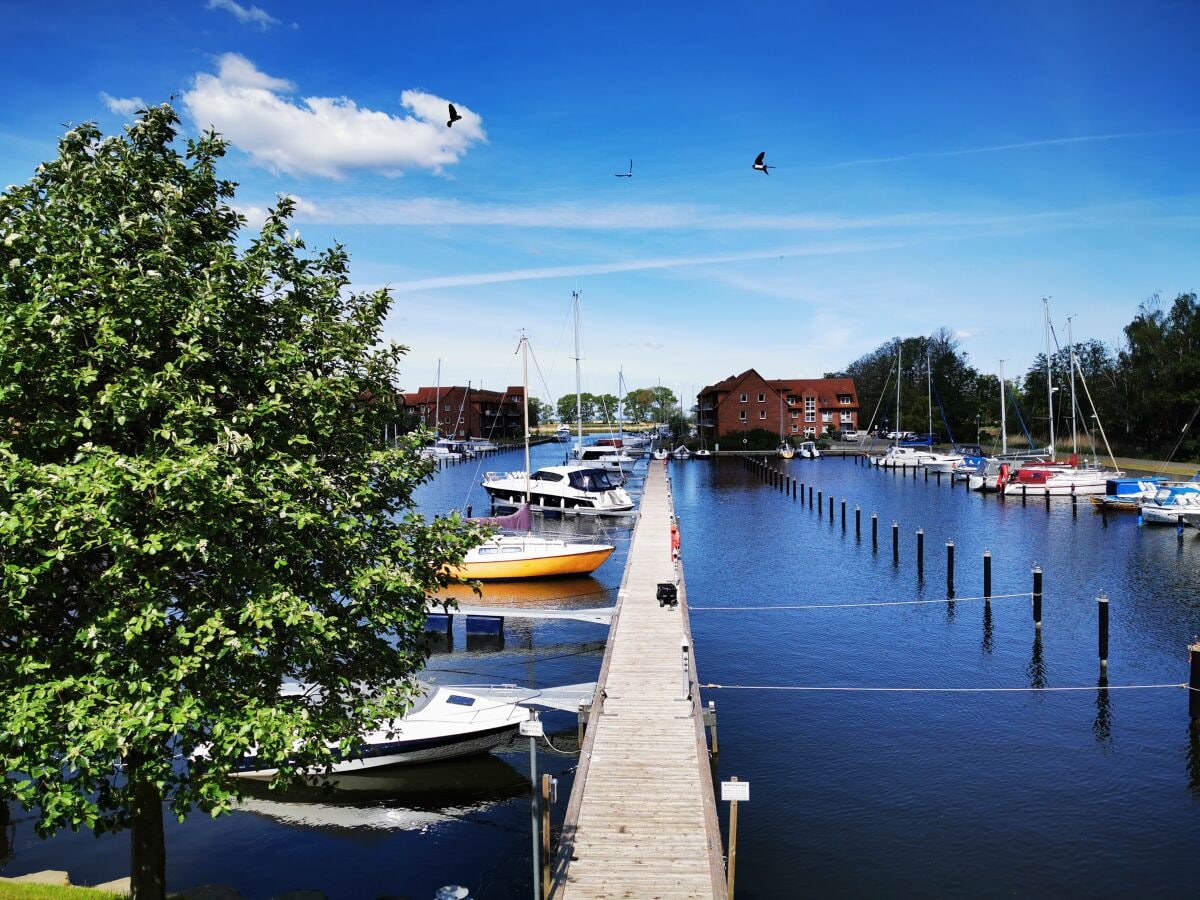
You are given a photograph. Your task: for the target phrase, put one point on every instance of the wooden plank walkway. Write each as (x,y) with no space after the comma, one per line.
(642,819)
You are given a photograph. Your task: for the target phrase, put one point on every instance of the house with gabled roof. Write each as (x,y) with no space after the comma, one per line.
(797,408)
(462,412)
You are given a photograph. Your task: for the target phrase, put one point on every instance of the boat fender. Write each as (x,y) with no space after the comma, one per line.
(675,542)
(1002,478)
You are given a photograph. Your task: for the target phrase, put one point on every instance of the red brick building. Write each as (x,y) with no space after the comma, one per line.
(462,412)
(795,407)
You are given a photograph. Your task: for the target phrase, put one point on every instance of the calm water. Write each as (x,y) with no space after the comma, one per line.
(852,793)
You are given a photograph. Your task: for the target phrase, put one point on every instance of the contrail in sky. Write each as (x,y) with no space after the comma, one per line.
(1024,145)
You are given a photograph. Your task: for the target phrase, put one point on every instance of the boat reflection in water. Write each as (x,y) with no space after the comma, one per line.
(574,592)
(413,798)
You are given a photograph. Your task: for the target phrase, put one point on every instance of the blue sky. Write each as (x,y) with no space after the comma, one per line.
(939,164)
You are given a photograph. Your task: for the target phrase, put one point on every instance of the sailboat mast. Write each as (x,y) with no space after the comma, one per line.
(1071,354)
(929,390)
(437,403)
(1003,422)
(525,405)
(899,350)
(1049,386)
(578,395)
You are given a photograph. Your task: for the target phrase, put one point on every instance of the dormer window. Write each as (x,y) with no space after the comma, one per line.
(762,398)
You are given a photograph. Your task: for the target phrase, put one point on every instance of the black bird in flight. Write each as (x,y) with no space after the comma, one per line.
(628,174)
(760,165)
(454,116)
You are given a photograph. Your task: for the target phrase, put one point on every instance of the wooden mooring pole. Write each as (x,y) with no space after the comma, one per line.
(987,574)
(896,543)
(731,866)
(1194,682)
(949,568)
(920,550)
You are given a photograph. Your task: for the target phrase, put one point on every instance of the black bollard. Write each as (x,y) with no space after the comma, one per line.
(1194,681)
(874,531)
(987,574)
(793,490)
(939,476)
(949,568)
(820,501)
(857,521)
(920,550)
(468,510)
(896,542)
(1074,502)
(926,472)
(830,509)
(1102,624)
(843,514)
(1037,596)
(810,496)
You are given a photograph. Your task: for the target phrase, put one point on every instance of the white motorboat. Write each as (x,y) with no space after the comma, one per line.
(572,489)
(945,463)
(609,458)
(702,453)
(681,452)
(808,450)
(445,721)
(898,457)
(562,434)
(481,445)
(661,452)
(1172,504)
(446,449)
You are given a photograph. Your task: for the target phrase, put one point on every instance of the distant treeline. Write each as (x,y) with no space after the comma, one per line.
(1144,392)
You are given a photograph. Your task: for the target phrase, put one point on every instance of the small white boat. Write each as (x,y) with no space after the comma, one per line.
(945,463)
(1171,505)
(446,721)
(702,453)
(562,434)
(661,452)
(612,459)
(681,452)
(898,457)
(785,450)
(808,450)
(481,445)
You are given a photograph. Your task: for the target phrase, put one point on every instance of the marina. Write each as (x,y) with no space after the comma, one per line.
(969,769)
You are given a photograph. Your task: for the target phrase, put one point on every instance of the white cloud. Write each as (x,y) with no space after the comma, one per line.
(255,15)
(123,106)
(257,215)
(325,135)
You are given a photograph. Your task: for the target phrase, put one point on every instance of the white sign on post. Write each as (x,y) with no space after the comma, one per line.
(738,791)
(531,728)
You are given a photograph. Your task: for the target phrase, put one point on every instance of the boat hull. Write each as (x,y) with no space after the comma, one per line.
(569,562)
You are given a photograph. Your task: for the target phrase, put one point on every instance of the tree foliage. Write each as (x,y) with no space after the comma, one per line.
(195,505)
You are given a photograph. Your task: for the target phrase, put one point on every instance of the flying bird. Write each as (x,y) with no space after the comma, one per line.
(628,174)
(454,116)
(760,165)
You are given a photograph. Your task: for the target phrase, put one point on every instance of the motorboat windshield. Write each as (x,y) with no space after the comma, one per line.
(590,480)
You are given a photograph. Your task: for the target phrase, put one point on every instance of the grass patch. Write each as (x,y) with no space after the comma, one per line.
(53,892)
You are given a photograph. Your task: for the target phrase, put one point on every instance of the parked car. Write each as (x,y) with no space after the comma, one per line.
(851,435)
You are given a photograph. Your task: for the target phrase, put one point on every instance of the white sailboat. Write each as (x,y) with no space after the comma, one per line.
(785,449)
(580,488)
(898,457)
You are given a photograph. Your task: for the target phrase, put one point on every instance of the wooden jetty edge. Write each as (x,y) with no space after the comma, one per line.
(642,818)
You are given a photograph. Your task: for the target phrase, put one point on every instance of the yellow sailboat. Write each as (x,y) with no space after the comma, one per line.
(522,554)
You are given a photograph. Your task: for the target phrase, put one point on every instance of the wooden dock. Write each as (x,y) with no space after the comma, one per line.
(642,818)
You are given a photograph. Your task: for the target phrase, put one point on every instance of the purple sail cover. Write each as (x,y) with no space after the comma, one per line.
(521,520)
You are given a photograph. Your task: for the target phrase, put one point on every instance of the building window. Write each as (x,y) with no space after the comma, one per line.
(844,399)
(795,413)
(762,398)
(745,397)
(461,420)
(810,410)
(795,428)
(445,407)
(847,418)
(826,417)
(762,413)
(742,415)
(791,400)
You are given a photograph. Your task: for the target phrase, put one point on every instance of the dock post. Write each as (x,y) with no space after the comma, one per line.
(926,468)
(1194,682)
(857,521)
(585,710)
(987,574)
(874,531)
(843,514)
(1037,596)
(949,568)
(831,507)
(1074,502)
(687,670)
(546,780)
(810,496)
(895,542)
(533,731)
(732,864)
(712,726)
(820,501)
(1102,624)
(793,489)
(920,550)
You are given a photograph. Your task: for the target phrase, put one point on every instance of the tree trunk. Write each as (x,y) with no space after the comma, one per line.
(147,848)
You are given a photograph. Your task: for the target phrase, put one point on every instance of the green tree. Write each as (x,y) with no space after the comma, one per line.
(665,404)
(639,404)
(539,411)
(196,503)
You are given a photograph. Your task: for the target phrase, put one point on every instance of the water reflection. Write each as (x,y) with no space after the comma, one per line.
(1193,758)
(987,627)
(1037,663)
(402,798)
(1102,724)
